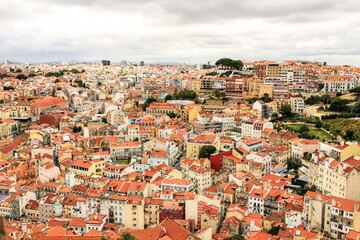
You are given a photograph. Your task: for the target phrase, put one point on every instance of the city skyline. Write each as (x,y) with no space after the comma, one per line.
(161,31)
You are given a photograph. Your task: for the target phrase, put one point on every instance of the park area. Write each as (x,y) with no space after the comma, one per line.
(313,131)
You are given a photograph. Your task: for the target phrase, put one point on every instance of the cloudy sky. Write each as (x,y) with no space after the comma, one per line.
(190,31)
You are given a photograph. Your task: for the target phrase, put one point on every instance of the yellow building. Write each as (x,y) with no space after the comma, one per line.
(8,113)
(190,114)
(36,134)
(87,167)
(266,89)
(343,151)
(7,152)
(194,146)
(273,70)
(195,84)
(258,88)
(128,105)
(209,220)
(340,179)
(134,212)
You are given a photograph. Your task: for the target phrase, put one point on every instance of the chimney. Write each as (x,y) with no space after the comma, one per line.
(24,227)
(342,143)
(252,223)
(356,207)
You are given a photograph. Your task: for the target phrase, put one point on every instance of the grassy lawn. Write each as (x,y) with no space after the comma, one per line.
(122,161)
(313,131)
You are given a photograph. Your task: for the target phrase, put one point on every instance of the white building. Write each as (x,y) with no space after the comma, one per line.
(227,120)
(254,127)
(297,104)
(262,158)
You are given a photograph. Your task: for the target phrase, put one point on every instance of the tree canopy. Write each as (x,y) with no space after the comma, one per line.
(304,128)
(235,237)
(229,63)
(127,236)
(148,102)
(339,105)
(355,90)
(206,151)
(285,110)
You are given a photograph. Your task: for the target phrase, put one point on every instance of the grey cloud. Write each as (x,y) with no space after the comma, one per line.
(191,31)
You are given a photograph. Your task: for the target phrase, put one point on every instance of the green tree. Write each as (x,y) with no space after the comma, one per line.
(4,75)
(266,98)
(76,129)
(285,110)
(18,70)
(355,90)
(104,120)
(326,98)
(304,128)
(186,94)
(148,102)
(326,125)
(21,76)
(168,97)
(211,74)
(206,151)
(349,134)
(293,164)
(236,237)
(339,105)
(171,115)
(127,236)
(318,124)
(356,107)
(274,230)
(8,88)
(303,190)
(229,63)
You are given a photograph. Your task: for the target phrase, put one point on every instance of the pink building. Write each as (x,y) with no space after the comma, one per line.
(48,171)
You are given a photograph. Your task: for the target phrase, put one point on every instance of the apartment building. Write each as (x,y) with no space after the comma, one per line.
(335,216)
(254,127)
(297,104)
(207,82)
(281,91)
(177,185)
(194,146)
(200,176)
(203,124)
(134,212)
(234,88)
(85,167)
(336,178)
(227,120)
(156,108)
(341,83)
(302,146)
(125,151)
(115,117)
